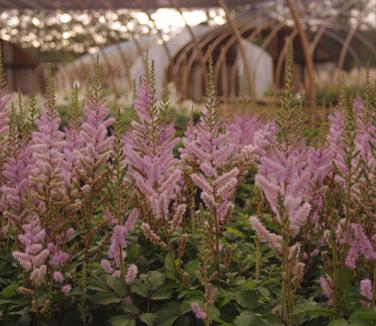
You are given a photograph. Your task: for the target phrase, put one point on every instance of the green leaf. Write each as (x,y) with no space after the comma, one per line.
(191,268)
(155,279)
(133,252)
(97,284)
(232,233)
(307,310)
(363,317)
(122,320)
(9,291)
(118,285)
(247,298)
(168,314)
(169,267)
(246,318)
(131,308)
(148,318)
(162,294)
(105,298)
(339,322)
(140,288)
(214,313)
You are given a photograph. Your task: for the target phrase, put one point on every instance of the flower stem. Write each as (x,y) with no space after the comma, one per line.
(217,242)
(286,279)
(373,300)
(37,314)
(170,249)
(258,258)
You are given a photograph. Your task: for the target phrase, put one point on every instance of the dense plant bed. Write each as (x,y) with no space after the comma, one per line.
(237,222)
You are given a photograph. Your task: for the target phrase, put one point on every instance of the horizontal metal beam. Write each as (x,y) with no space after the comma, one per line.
(115,4)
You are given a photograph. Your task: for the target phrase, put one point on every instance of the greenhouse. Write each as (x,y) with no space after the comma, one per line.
(187,163)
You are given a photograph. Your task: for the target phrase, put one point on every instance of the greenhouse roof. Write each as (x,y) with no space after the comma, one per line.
(111,4)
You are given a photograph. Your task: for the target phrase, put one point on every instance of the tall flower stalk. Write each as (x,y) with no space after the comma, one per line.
(94,149)
(210,149)
(283,177)
(33,259)
(117,191)
(152,167)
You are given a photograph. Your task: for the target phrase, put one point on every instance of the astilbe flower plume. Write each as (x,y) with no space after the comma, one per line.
(48,178)
(210,150)
(16,174)
(242,130)
(327,288)
(116,252)
(283,176)
(89,153)
(348,222)
(96,143)
(73,144)
(366,290)
(152,167)
(251,138)
(198,312)
(4,114)
(33,258)
(47,171)
(359,244)
(263,140)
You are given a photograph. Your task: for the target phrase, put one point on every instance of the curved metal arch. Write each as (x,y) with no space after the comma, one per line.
(246,26)
(196,47)
(281,58)
(324,27)
(190,31)
(250,38)
(238,37)
(334,36)
(346,45)
(182,56)
(224,32)
(363,40)
(229,44)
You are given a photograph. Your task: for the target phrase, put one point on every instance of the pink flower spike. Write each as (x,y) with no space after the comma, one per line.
(66,289)
(58,277)
(366,291)
(198,312)
(131,274)
(106,265)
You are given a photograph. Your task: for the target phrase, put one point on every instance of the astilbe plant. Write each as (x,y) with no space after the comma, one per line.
(72,198)
(152,167)
(349,227)
(16,177)
(48,187)
(117,208)
(209,148)
(73,143)
(33,258)
(4,114)
(283,176)
(94,146)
